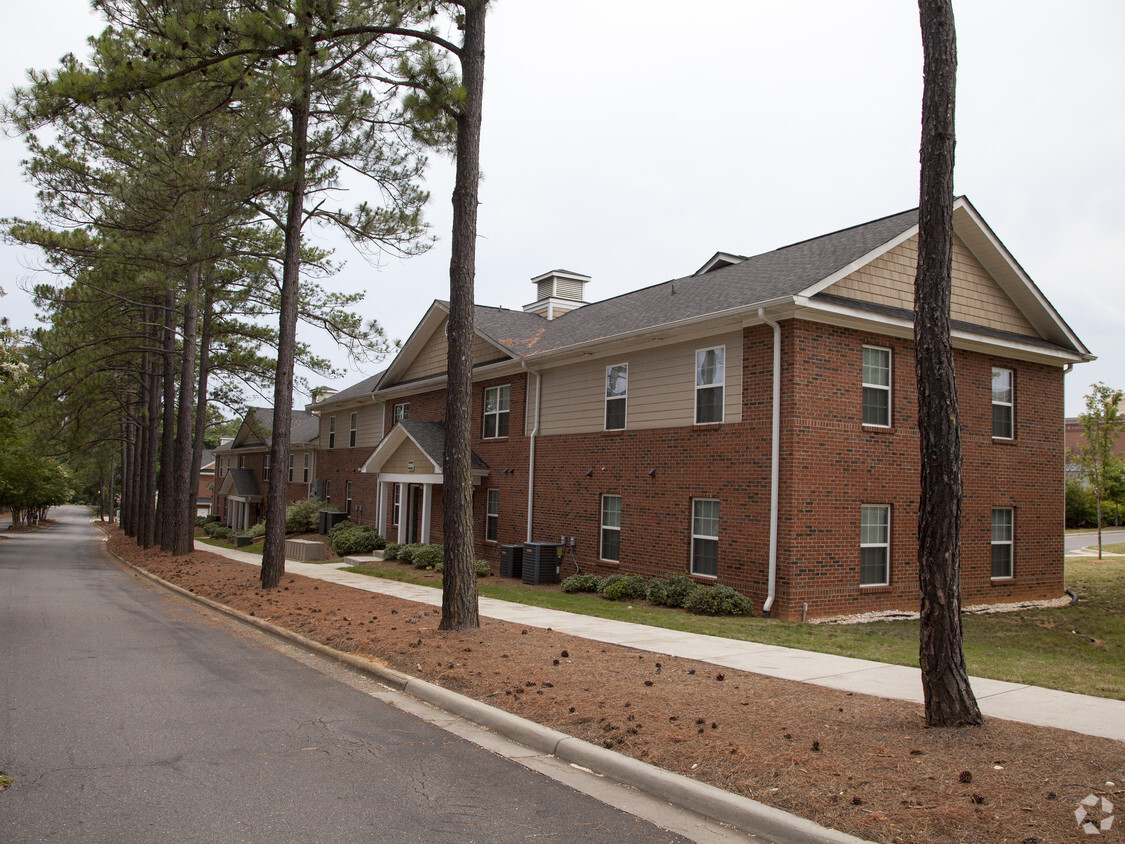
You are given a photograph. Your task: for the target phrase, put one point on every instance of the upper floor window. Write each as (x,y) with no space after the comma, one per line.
(1003,404)
(353,426)
(705,536)
(1003,535)
(291,467)
(331,431)
(875,545)
(305,471)
(266,469)
(401,411)
(496,404)
(616,396)
(492,516)
(710,375)
(876,386)
(611,528)
(242,461)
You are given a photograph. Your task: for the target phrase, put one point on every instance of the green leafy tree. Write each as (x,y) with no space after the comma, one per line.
(1101,424)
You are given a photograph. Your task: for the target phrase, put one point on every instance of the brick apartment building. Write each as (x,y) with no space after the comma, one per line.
(752,424)
(242,467)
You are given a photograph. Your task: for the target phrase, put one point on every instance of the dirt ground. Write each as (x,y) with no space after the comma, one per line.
(860,764)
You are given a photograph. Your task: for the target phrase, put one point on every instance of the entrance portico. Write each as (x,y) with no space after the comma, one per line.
(409,464)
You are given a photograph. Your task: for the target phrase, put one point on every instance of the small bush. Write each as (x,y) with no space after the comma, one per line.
(355,539)
(339,528)
(429,557)
(582,583)
(671,591)
(484,568)
(718,600)
(257,530)
(304,516)
(390,551)
(629,588)
(406,552)
(200,521)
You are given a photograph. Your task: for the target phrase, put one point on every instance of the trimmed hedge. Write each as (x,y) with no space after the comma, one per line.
(671,591)
(631,588)
(355,539)
(582,583)
(718,600)
(390,552)
(429,557)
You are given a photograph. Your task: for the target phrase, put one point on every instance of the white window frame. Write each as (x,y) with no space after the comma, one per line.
(492,516)
(290,467)
(871,385)
(305,471)
(401,411)
(616,398)
(266,469)
(331,431)
(242,461)
(1009,405)
(1009,543)
(503,392)
(704,537)
(353,427)
(884,544)
(605,527)
(348,497)
(396,504)
(719,383)
(327,491)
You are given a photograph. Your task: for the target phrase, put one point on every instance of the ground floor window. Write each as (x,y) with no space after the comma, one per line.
(611,528)
(327,491)
(705,536)
(492,516)
(348,497)
(397,504)
(875,545)
(1003,535)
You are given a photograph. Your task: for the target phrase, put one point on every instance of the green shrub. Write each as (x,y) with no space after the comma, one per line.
(1081,505)
(629,588)
(304,516)
(200,521)
(257,530)
(355,539)
(429,557)
(484,568)
(390,551)
(671,591)
(339,528)
(406,552)
(582,583)
(718,600)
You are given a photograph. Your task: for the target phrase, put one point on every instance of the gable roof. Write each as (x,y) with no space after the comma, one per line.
(241,482)
(796,276)
(254,432)
(359,390)
(429,437)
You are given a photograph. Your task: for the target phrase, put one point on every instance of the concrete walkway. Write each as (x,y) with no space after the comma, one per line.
(998,699)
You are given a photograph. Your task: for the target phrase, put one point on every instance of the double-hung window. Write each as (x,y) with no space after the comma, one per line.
(1003,535)
(875,545)
(492,516)
(266,469)
(496,403)
(710,375)
(876,386)
(616,396)
(331,431)
(290,467)
(305,470)
(611,528)
(348,497)
(1003,404)
(401,411)
(353,425)
(397,505)
(705,536)
(327,491)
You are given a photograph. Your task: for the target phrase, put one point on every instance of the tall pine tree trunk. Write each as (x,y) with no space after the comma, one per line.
(165,528)
(201,410)
(182,514)
(273,553)
(459,610)
(945,681)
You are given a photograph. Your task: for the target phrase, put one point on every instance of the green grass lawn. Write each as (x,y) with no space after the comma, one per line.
(1041,647)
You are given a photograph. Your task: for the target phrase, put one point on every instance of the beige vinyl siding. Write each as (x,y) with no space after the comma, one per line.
(399,462)
(433,358)
(661,388)
(370,428)
(977,298)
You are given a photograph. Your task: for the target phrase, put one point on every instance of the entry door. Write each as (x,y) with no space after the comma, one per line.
(414,526)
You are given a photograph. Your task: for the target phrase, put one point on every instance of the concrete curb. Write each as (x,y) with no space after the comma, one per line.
(740,812)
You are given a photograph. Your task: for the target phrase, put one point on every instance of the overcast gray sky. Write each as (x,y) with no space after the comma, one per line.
(631,139)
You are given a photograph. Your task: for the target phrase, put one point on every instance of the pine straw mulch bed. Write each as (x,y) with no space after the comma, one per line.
(861,764)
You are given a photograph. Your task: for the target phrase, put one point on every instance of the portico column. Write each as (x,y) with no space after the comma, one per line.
(381,508)
(427,498)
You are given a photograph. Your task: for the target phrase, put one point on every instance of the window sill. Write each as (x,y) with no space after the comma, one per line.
(1002,581)
(1005,441)
(705,578)
(492,439)
(718,424)
(878,429)
(613,564)
(875,588)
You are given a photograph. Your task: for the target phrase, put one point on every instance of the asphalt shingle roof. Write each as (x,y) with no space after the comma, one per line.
(430,437)
(245,484)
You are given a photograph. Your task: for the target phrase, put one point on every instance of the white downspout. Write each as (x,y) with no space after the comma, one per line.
(531,451)
(775,458)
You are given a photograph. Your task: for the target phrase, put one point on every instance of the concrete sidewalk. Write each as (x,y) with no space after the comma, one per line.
(998,699)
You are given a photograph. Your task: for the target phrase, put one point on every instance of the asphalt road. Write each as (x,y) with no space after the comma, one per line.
(1086,539)
(130,715)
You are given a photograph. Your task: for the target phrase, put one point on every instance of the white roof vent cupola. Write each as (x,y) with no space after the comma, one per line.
(557,292)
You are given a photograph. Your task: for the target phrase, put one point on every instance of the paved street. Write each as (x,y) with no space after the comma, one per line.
(129,715)
(1089,539)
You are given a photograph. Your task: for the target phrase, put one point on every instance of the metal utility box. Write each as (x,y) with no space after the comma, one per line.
(511,561)
(541,562)
(329,519)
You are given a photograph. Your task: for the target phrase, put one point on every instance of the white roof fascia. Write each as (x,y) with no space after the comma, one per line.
(392,441)
(859,263)
(414,342)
